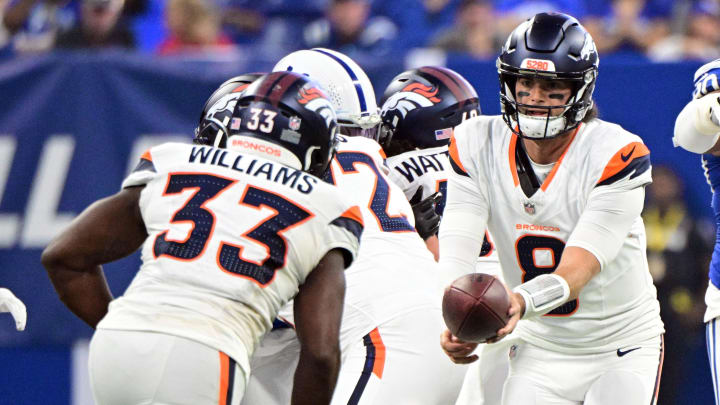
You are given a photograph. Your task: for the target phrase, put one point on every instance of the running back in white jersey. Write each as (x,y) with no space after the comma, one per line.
(389,238)
(230,239)
(429,168)
(619,304)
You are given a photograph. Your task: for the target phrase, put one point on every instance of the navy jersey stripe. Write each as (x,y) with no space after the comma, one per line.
(636,167)
(145,165)
(353,76)
(457,168)
(231,381)
(366,372)
(351,225)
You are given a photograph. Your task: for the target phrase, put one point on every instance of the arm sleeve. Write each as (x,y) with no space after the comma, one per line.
(606,221)
(143,173)
(462,228)
(695,130)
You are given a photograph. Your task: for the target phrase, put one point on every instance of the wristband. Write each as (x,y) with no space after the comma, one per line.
(543,294)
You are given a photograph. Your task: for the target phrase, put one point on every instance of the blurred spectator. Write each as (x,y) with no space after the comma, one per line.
(243,19)
(194,26)
(474,32)
(100,27)
(434,16)
(510,13)
(34,24)
(348,28)
(627,25)
(679,249)
(702,40)
(4,34)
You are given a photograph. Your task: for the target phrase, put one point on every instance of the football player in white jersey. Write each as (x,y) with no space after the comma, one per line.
(392,309)
(697,129)
(229,234)
(420,108)
(561,194)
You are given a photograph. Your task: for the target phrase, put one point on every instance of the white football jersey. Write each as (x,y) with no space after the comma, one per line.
(230,239)
(430,169)
(619,304)
(394,271)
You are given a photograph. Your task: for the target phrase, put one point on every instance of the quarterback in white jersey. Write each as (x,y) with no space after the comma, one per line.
(392,315)
(697,129)
(229,235)
(420,108)
(561,193)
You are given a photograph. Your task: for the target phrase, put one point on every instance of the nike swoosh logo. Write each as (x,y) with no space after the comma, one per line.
(626,157)
(621,353)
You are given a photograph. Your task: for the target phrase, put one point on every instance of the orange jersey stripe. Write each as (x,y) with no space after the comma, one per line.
(622,159)
(659,372)
(454,155)
(224,378)
(382,153)
(146,155)
(511,156)
(354,214)
(379,364)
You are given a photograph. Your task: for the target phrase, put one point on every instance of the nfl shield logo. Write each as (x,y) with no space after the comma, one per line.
(235,123)
(295,123)
(529,208)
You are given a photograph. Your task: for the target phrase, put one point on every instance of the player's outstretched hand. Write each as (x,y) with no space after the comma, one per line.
(516,311)
(10,303)
(459,351)
(427,221)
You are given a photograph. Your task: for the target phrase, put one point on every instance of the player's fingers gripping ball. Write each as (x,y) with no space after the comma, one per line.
(475,307)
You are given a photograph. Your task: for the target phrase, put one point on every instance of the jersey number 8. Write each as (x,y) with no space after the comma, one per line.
(530,249)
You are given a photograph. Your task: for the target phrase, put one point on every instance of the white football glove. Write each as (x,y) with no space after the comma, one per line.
(10,303)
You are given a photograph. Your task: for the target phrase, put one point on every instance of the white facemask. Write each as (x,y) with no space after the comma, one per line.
(533,126)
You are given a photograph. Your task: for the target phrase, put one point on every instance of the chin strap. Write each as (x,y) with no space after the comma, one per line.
(526,175)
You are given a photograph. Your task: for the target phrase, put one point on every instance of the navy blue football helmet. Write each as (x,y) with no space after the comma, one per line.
(549,47)
(290,111)
(421,106)
(216,113)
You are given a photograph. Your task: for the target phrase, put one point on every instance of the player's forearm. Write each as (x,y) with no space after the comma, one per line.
(315,377)
(546,292)
(85,292)
(577,267)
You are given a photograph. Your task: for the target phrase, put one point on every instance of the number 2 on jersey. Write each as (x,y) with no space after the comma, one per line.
(541,255)
(229,256)
(379,202)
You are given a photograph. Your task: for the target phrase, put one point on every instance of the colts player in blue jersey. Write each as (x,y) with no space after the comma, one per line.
(697,129)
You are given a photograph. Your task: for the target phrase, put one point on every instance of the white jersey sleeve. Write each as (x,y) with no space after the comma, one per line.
(616,200)
(466,208)
(231,238)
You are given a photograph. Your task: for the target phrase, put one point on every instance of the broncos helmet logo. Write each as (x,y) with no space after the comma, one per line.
(307,95)
(412,96)
(315,100)
(223,108)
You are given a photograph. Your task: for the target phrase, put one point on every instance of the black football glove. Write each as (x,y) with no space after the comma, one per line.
(427,221)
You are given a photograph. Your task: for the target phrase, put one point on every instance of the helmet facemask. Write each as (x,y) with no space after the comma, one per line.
(364,125)
(548,125)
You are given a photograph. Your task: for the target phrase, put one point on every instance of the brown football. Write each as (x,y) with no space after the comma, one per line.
(475,306)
